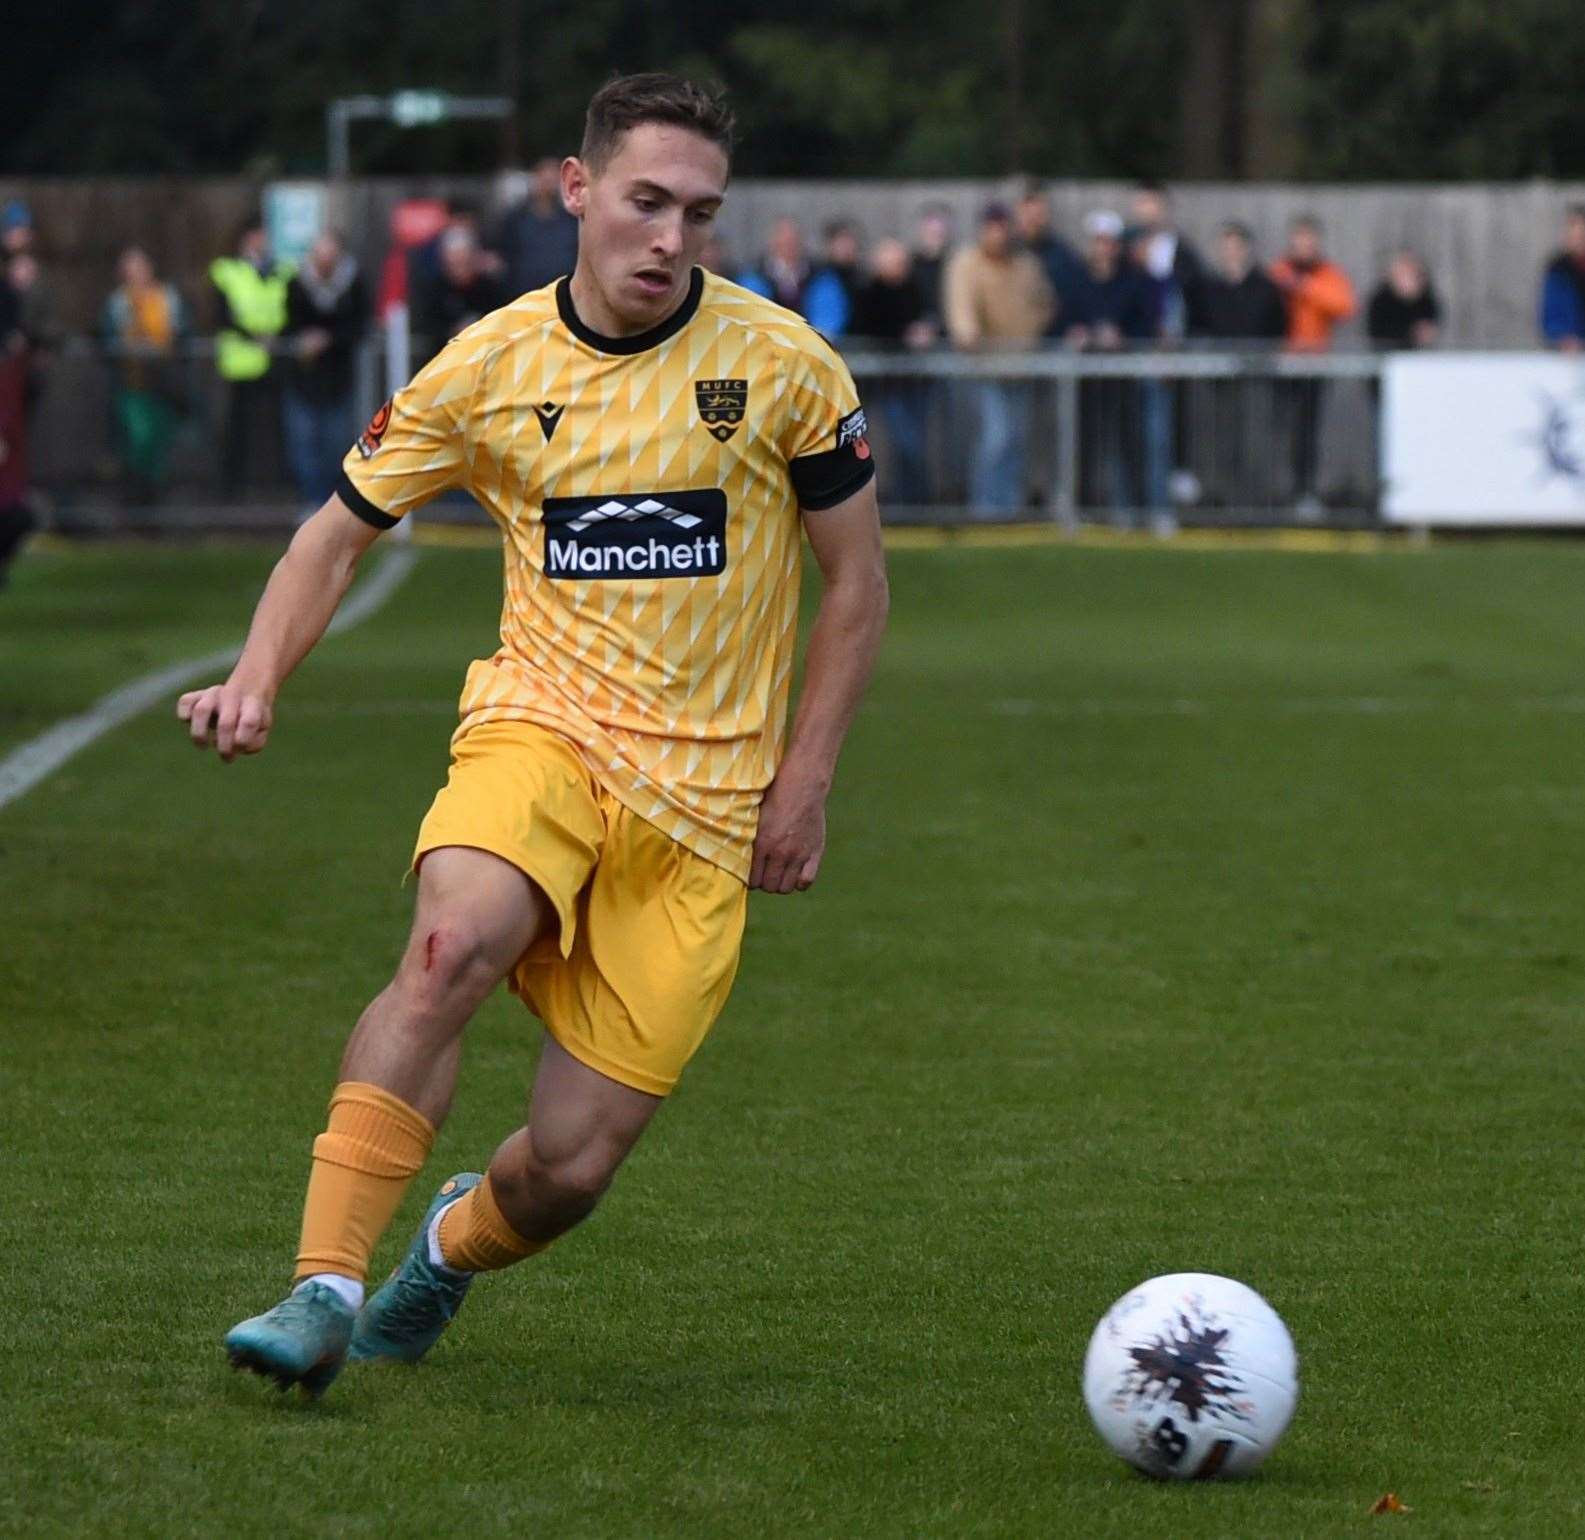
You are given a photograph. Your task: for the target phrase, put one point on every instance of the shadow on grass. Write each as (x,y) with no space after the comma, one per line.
(254,1393)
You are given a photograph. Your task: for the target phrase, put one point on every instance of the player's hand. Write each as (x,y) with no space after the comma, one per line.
(792,835)
(235,720)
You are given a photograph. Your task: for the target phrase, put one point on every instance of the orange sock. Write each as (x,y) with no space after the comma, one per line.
(475,1237)
(373,1146)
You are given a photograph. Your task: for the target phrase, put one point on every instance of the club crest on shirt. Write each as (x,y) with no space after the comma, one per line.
(722,404)
(369,439)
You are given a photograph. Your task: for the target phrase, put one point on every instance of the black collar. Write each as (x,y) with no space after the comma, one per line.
(639,342)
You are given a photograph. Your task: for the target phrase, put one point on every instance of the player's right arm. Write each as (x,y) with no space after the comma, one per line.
(304,589)
(412,450)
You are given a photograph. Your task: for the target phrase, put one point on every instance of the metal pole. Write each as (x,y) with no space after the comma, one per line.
(398,370)
(511,74)
(338,151)
(1065,505)
(398,349)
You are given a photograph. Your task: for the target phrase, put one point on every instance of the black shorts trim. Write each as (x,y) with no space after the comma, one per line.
(361,506)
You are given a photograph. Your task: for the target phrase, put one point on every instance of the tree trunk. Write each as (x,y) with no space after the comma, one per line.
(1014,40)
(511,82)
(1272,90)
(1239,98)
(1209,101)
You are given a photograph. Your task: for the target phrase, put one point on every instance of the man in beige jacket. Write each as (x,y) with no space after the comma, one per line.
(997,299)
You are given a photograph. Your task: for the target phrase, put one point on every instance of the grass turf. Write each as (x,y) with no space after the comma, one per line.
(78,622)
(1183,910)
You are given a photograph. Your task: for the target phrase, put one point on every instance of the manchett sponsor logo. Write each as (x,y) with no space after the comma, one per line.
(655,558)
(636,535)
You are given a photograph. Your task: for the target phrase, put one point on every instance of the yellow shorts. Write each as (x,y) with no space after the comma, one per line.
(649,932)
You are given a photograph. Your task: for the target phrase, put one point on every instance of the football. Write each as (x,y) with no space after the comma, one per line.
(1191,1376)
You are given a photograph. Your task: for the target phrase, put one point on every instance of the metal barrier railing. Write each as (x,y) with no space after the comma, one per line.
(1131,437)
(1141,437)
(112,431)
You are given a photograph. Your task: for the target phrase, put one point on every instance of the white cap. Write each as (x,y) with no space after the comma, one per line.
(1104,222)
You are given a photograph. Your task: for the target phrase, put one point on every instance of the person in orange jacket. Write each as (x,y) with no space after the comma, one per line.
(1319,298)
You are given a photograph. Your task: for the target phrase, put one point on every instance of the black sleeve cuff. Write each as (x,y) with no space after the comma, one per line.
(361,506)
(823,480)
(825,491)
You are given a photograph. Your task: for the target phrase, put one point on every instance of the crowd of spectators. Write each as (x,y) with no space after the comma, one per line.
(285,337)
(1133,282)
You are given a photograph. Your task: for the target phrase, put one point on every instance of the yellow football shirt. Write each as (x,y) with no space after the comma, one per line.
(648,490)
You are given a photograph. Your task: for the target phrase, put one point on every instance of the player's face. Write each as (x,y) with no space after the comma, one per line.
(646,215)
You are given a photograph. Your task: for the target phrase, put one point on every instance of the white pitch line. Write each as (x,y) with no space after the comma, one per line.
(23,768)
(1296,706)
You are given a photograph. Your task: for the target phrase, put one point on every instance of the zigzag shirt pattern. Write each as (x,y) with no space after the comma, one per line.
(652,540)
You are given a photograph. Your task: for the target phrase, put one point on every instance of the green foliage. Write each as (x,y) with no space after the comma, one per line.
(1391,89)
(1444,89)
(881,87)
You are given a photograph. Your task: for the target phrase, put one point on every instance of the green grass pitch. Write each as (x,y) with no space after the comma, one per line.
(1184,909)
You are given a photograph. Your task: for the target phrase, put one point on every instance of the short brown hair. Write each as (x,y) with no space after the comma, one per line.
(625,101)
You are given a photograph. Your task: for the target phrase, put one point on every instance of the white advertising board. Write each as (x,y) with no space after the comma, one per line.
(1483,438)
(294,214)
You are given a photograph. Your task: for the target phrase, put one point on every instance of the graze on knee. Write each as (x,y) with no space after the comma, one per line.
(448,952)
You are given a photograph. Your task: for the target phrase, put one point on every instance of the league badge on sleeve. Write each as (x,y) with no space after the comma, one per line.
(369,439)
(853,431)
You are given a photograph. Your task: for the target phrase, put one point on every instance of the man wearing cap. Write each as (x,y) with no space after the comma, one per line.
(997,299)
(1113,306)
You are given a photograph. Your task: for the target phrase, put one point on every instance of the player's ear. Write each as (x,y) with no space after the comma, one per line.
(574,185)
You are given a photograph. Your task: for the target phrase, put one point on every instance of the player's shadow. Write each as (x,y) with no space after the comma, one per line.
(253,1394)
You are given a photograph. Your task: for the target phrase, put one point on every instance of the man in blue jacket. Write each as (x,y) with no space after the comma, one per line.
(1113,306)
(822,295)
(1563,288)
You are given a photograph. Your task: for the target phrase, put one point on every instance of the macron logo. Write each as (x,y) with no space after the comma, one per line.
(549,414)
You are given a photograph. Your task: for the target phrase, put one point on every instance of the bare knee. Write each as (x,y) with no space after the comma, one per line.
(448,965)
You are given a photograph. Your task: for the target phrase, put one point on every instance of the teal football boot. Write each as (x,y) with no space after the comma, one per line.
(405,1315)
(302,1341)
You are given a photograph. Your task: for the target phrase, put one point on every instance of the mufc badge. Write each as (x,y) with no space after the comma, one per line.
(369,439)
(722,404)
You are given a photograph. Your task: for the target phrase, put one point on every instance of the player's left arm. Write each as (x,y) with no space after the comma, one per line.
(843,644)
